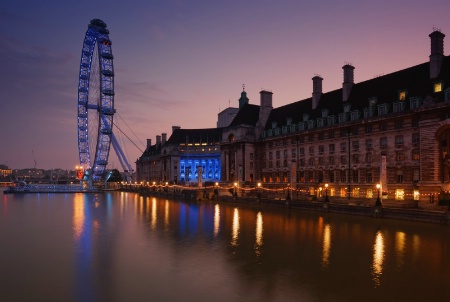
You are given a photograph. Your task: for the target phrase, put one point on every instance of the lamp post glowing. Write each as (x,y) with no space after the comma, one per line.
(235,189)
(259,191)
(216,190)
(326,193)
(378,202)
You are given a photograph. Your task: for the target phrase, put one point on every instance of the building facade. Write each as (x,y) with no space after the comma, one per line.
(188,156)
(393,130)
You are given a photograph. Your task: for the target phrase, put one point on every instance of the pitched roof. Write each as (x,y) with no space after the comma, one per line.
(247,115)
(150,151)
(207,135)
(415,80)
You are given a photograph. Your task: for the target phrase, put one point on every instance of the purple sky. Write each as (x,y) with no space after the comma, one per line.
(181,62)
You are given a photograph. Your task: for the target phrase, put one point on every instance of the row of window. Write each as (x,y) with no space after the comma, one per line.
(398,139)
(343,117)
(339,176)
(343,159)
(344,132)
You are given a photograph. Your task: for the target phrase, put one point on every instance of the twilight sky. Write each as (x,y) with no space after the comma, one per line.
(182,62)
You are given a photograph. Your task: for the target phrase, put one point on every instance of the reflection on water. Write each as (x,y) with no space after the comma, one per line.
(216,220)
(400,248)
(259,234)
(78,216)
(166,214)
(123,247)
(378,257)
(326,245)
(235,229)
(153,222)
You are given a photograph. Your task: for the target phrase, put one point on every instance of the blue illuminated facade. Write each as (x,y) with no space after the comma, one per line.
(210,164)
(182,157)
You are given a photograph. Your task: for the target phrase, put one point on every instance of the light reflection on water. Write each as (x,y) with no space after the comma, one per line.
(216,220)
(326,245)
(259,234)
(122,247)
(235,229)
(378,258)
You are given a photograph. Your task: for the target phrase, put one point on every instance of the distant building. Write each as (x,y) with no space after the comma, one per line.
(5,171)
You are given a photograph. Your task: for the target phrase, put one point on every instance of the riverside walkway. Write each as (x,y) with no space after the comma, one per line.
(391,209)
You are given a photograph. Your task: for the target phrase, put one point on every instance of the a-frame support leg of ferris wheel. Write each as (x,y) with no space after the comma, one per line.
(122,159)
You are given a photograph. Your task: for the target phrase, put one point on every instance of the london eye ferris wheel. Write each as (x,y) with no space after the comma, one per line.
(95,99)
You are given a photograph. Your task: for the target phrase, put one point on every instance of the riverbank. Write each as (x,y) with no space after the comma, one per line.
(431,213)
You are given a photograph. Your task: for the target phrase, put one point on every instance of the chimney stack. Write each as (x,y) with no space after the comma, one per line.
(348,81)
(266,98)
(158,140)
(164,138)
(317,91)
(265,108)
(149,142)
(437,53)
(174,128)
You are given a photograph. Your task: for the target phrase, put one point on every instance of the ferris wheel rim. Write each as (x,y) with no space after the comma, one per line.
(96,40)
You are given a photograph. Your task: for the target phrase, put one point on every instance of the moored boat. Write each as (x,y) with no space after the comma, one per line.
(22,187)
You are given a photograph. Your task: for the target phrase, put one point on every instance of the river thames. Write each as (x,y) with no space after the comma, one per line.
(124,247)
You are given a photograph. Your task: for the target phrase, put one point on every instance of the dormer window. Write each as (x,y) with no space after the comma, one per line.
(354,115)
(305,117)
(342,117)
(383,109)
(301,126)
(402,95)
(437,87)
(288,121)
(274,125)
(368,112)
(414,103)
(398,106)
(347,107)
(331,120)
(372,102)
(324,112)
(321,122)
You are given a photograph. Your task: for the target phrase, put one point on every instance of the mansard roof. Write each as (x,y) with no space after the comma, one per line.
(414,80)
(247,115)
(207,135)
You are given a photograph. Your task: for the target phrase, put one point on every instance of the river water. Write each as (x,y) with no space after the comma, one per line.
(123,247)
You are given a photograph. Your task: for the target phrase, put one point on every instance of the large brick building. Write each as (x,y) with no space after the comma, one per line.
(392,130)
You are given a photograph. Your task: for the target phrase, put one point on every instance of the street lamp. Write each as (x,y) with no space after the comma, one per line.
(378,202)
(326,193)
(216,190)
(259,191)
(235,189)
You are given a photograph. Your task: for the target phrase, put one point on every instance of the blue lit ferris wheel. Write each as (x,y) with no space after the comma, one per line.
(95,100)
